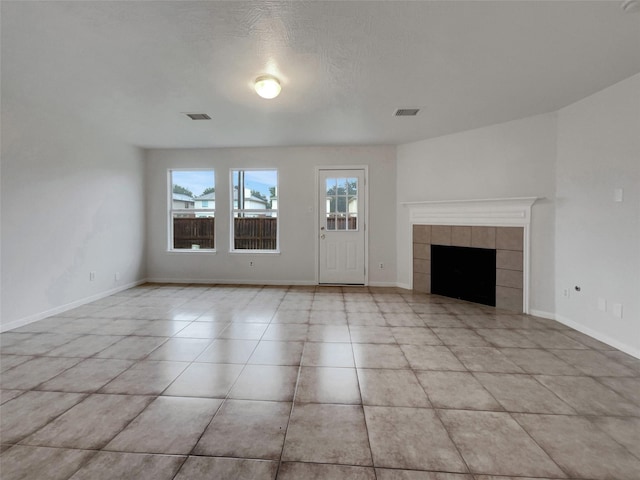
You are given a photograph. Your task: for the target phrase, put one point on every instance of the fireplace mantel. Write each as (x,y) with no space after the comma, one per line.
(490,212)
(498,212)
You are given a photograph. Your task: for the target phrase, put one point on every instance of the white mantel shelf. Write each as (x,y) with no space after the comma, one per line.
(497,212)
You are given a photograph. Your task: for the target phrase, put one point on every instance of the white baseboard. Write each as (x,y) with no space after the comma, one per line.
(383,284)
(634,352)
(219,281)
(68,306)
(542,314)
(406,286)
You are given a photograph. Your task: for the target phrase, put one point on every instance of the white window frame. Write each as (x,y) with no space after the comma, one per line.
(233,210)
(192,211)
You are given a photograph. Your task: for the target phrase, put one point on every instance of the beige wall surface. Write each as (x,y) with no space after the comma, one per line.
(597,238)
(72,203)
(297,203)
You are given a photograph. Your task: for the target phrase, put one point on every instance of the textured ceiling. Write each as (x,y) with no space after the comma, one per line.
(132,68)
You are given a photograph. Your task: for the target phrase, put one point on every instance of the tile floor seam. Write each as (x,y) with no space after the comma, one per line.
(487,390)
(111,438)
(548,454)
(51,378)
(84,462)
(457,447)
(18,442)
(366,426)
(537,380)
(590,419)
(293,403)
(133,363)
(597,379)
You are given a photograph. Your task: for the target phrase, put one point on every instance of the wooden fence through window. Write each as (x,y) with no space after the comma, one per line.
(251,233)
(256,233)
(190,231)
(340,223)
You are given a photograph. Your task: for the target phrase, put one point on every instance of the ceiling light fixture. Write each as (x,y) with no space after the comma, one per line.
(268,86)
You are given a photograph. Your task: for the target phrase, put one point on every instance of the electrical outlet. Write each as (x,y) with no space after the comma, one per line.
(251,264)
(92,276)
(381,265)
(566,293)
(618,195)
(617,310)
(116,276)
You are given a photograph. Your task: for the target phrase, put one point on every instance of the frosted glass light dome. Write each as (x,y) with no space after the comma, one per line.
(268,86)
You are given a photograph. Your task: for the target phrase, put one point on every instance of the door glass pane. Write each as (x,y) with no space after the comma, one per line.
(352,184)
(342,204)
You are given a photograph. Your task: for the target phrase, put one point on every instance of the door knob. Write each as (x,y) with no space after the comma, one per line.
(322,236)
(321,228)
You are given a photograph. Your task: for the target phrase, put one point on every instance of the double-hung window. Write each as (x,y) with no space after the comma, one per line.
(192,210)
(254,219)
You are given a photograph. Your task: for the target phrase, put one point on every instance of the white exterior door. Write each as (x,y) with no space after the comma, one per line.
(341,226)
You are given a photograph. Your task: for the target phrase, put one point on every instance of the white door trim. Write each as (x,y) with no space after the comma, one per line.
(365,169)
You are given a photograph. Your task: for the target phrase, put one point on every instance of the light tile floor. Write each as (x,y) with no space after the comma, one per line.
(231,382)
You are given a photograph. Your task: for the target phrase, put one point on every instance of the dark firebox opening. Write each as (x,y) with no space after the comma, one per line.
(464,273)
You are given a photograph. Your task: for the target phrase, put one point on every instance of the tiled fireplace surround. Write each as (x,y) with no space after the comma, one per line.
(507,241)
(499,223)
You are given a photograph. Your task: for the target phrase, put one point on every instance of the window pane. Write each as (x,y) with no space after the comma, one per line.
(331,186)
(255,205)
(331,221)
(255,189)
(193,190)
(193,232)
(342,204)
(352,183)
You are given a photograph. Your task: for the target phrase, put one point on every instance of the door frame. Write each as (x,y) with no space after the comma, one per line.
(316,211)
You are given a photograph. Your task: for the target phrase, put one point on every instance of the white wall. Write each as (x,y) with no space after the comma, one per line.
(72,202)
(597,239)
(296,196)
(514,159)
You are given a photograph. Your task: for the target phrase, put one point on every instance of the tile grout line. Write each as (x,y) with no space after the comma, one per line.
(364,415)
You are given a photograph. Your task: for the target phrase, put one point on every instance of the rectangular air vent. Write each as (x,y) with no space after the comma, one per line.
(198,116)
(407,112)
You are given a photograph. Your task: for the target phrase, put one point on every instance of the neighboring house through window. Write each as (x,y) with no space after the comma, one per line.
(192,211)
(254,225)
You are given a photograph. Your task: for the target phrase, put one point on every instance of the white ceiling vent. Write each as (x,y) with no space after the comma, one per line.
(198,116)
(407,112)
